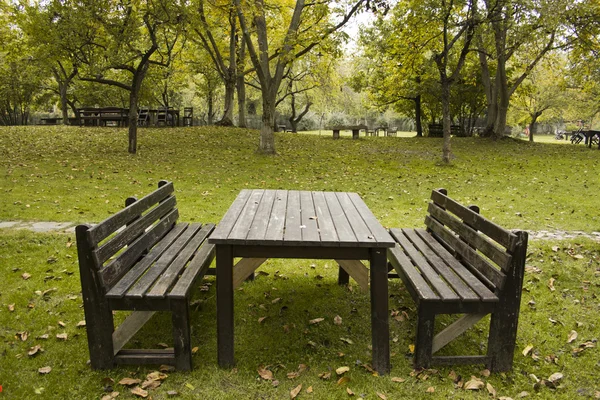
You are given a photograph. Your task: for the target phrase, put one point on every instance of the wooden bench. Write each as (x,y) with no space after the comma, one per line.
(437,130)
(354,128)
(141,259)
(461,264)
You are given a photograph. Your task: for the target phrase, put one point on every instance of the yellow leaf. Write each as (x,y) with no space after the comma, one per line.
(381,396)
(309,389)
(411,348)
(45,370)
(138,391)
(342,370)
(430,389)
(343,380)
(491,390)
(325,375)
(295,391)
(129,381)
(398,380)
(350,392)
(265,373)
(527,350)
(572,337)
(315,321)
(474,384)
(195,350)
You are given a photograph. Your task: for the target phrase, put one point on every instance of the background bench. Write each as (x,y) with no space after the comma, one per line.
(141,259)
(462,264)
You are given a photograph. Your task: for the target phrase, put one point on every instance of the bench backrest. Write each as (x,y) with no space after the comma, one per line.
(494,254)
(114,245)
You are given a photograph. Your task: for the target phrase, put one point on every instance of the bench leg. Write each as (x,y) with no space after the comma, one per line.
(424,339)
(180,315)
(100,327)
(380,329)
(225,355)
(343,277)
(502,341)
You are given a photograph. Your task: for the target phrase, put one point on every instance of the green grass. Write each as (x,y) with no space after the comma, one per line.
(73,174)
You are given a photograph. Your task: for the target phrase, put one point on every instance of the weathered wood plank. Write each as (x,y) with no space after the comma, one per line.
(170,275)
(380,234)
(454,330)
(343,229)
(494,231)
(469,235)
(129,327)
(308,215)
(478,287)
(275,229)
(105,228)
(241,229)
(357,270)
(362,232)
(259,225)
(139,289)
(196,269)
(221,233)
(293,219)
(324,219)
(454,280)
(133,231)
(244,268)
(120,287)
(115,269)
(469,255)
(430,275)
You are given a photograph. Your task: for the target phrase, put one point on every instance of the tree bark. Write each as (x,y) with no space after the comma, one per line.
(267,137)
(241,84)
(446,148)
(418,113)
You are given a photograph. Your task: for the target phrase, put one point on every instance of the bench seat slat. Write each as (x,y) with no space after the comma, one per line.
(428,273)
(474,259)
(499,234)
(195,270)
(105,228)
(119,289)
(410,275)
(454,280)
(170,275)
(113,271)
(471,236)
(132,231)
(139,289)
(478,287)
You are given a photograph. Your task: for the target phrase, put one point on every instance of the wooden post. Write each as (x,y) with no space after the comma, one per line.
(225,306)
(355,133)
(180,316)
(380,330)
(336,133)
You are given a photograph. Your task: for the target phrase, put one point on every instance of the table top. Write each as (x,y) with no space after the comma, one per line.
(300,218)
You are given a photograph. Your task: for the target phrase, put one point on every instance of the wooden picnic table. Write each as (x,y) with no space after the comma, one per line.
(354,128)
(262,224)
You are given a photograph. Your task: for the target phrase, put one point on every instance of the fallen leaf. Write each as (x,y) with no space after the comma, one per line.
(81,324)
(25,276)
(411,348)
(194,349)
(398,380)
(325,375)
(343,380)
(157,376)
(110,396)
(430,389)
(527,350)
(261,319)
(23,335)
(315,321)
(572,337)
(551,284)
(346,340)
(293,375)
(275,301)
(474,384)
(138,391)
(44,336)
(129,381)
(309,389)
(349,391)
(45,370)
(34,350)
(342,370)
(265,373)
(485,373)
(491,390)
(337,320)
(166,368)
(555,248)
(11,307)
(62,324)
(555,377)
(62,336)
(294,392)
(150,384)
(381,396)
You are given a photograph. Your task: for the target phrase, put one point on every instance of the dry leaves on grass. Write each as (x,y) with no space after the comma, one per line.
(45,370)
(316,321)
(264,373)
(342,370)
(35,350)
(129,381)
(337,320)
(294,392)
(138,391)
(572,336)
(474,384)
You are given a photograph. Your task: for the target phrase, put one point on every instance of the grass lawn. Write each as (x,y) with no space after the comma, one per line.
(83,175)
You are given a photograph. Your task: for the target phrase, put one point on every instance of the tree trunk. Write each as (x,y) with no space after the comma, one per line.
(63,103)
(230,81)
(210,108)
(133,95)
(533,125)
(418,114)
(241,84)
(267,137)
(446,149)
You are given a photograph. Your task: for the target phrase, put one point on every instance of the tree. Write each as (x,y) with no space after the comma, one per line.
(131,38)
(541,92)
(273,52)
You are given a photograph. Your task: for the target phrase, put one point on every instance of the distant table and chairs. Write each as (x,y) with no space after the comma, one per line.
(119,117)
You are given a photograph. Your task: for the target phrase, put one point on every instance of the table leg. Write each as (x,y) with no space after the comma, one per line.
(225,306)
(336,133)
(379,311)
